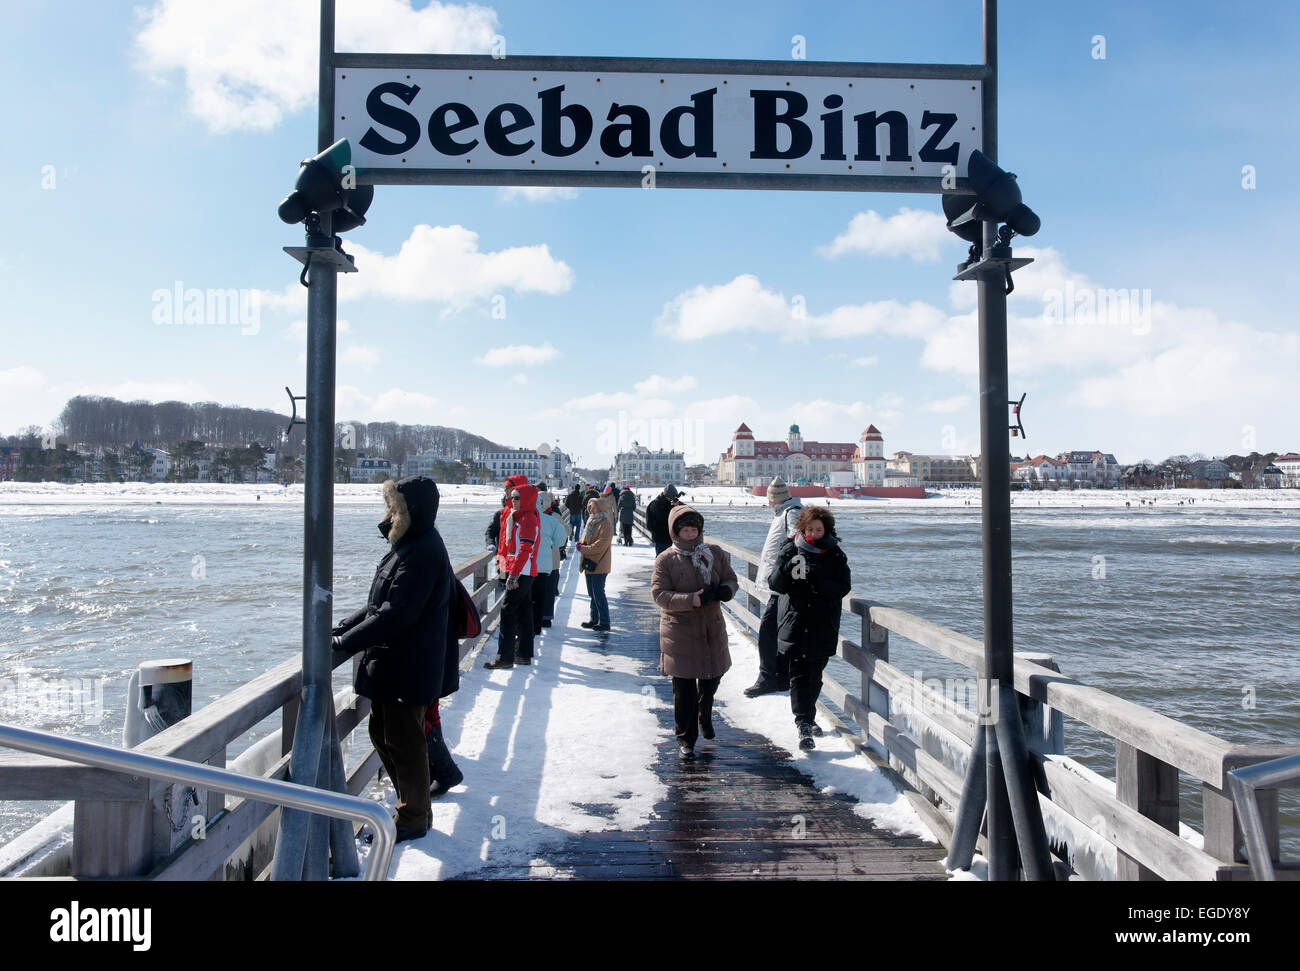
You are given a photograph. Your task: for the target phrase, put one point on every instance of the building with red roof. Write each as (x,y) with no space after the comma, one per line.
(750,461)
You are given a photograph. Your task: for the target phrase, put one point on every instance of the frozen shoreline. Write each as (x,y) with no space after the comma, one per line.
(145,493)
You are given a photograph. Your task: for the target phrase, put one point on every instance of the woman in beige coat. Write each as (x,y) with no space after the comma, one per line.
(597,553)
(692,579)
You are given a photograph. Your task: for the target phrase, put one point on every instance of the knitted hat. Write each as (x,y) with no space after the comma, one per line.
(778,492)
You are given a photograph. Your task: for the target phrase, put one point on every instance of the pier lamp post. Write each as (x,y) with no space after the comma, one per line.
(999,778)
(328,201)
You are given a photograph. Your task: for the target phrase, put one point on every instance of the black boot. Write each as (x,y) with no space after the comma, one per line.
(442,767)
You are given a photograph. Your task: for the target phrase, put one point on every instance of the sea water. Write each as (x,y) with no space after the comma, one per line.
(1188,610)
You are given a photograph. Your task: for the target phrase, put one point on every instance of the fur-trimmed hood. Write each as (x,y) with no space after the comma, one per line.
(412,507)
(691,517)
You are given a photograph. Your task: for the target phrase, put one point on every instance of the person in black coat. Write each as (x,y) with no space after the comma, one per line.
(812,578)
(408,634)
(656,517)
(627,513)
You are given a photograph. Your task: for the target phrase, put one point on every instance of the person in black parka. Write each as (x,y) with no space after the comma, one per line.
(656,517)
(408,634)
(812,578)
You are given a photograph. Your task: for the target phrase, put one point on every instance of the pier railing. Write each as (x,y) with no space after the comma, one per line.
(1129,828)
(127,825)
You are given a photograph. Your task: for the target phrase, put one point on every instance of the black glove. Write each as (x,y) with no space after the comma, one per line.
(724,593)
(708,595)
(336,642)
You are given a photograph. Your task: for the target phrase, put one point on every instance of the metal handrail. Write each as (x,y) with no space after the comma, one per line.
(1244,782)
(273,791)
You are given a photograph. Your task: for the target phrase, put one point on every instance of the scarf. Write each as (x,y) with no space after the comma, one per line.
(701,555)
(821,546)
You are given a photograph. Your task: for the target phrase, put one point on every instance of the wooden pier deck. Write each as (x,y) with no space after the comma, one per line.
(742,810)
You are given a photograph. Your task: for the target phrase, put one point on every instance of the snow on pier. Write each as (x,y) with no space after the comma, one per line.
(571,769)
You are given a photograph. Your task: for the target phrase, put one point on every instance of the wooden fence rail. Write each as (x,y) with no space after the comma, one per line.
(125,826)
(924,739)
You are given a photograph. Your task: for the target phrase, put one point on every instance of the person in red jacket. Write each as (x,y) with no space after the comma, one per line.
(517,562)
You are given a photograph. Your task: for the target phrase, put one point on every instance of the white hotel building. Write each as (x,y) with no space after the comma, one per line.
(751,462)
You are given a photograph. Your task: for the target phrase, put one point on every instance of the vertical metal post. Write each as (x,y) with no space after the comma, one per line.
(302,847)
(1015,821)
(995,491)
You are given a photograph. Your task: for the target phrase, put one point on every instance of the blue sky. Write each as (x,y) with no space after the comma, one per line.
(151,143)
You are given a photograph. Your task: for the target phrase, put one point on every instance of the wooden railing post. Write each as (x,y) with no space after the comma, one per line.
(1044,726)
(112,839)
(1222,828)
(1151,787)
(875,641)
(755,607)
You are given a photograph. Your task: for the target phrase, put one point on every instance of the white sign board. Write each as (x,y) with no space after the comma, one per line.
(504,124)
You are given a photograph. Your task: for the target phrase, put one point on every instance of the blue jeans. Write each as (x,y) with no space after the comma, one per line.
(596,591)
(575,525)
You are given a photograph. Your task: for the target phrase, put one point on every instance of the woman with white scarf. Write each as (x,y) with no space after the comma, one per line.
(691,580)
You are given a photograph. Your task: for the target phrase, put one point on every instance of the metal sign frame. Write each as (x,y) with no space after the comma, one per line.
(999,782)
(340,62)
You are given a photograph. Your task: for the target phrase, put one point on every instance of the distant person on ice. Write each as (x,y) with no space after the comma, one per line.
(773,671)
(812,576)
(627,513)
(691,580)
(656,517)
(408,633)
(517,550)
(597,552)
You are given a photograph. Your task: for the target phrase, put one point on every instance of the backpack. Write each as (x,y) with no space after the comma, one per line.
(468,622)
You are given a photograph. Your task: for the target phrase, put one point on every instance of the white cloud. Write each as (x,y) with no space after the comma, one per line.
(917,233)
(248,63)
(366,357)
(866,361)
(634,404)
(744,305)
(519,379)
(407,407)
(658,385)
(944,406)
(188,391)
(536,193)
(844,421)
(518,355)
(395,404)
(441,264)
(726,410)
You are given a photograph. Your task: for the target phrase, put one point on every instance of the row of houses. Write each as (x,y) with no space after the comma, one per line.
(542,463)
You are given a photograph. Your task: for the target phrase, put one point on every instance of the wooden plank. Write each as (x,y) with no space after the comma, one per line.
(897,743)
(466,567)
(111,839)
(955,719)
(206,859)
(1146,841)
(27,776)
(1149,786)
(938,823)
(1188,749)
